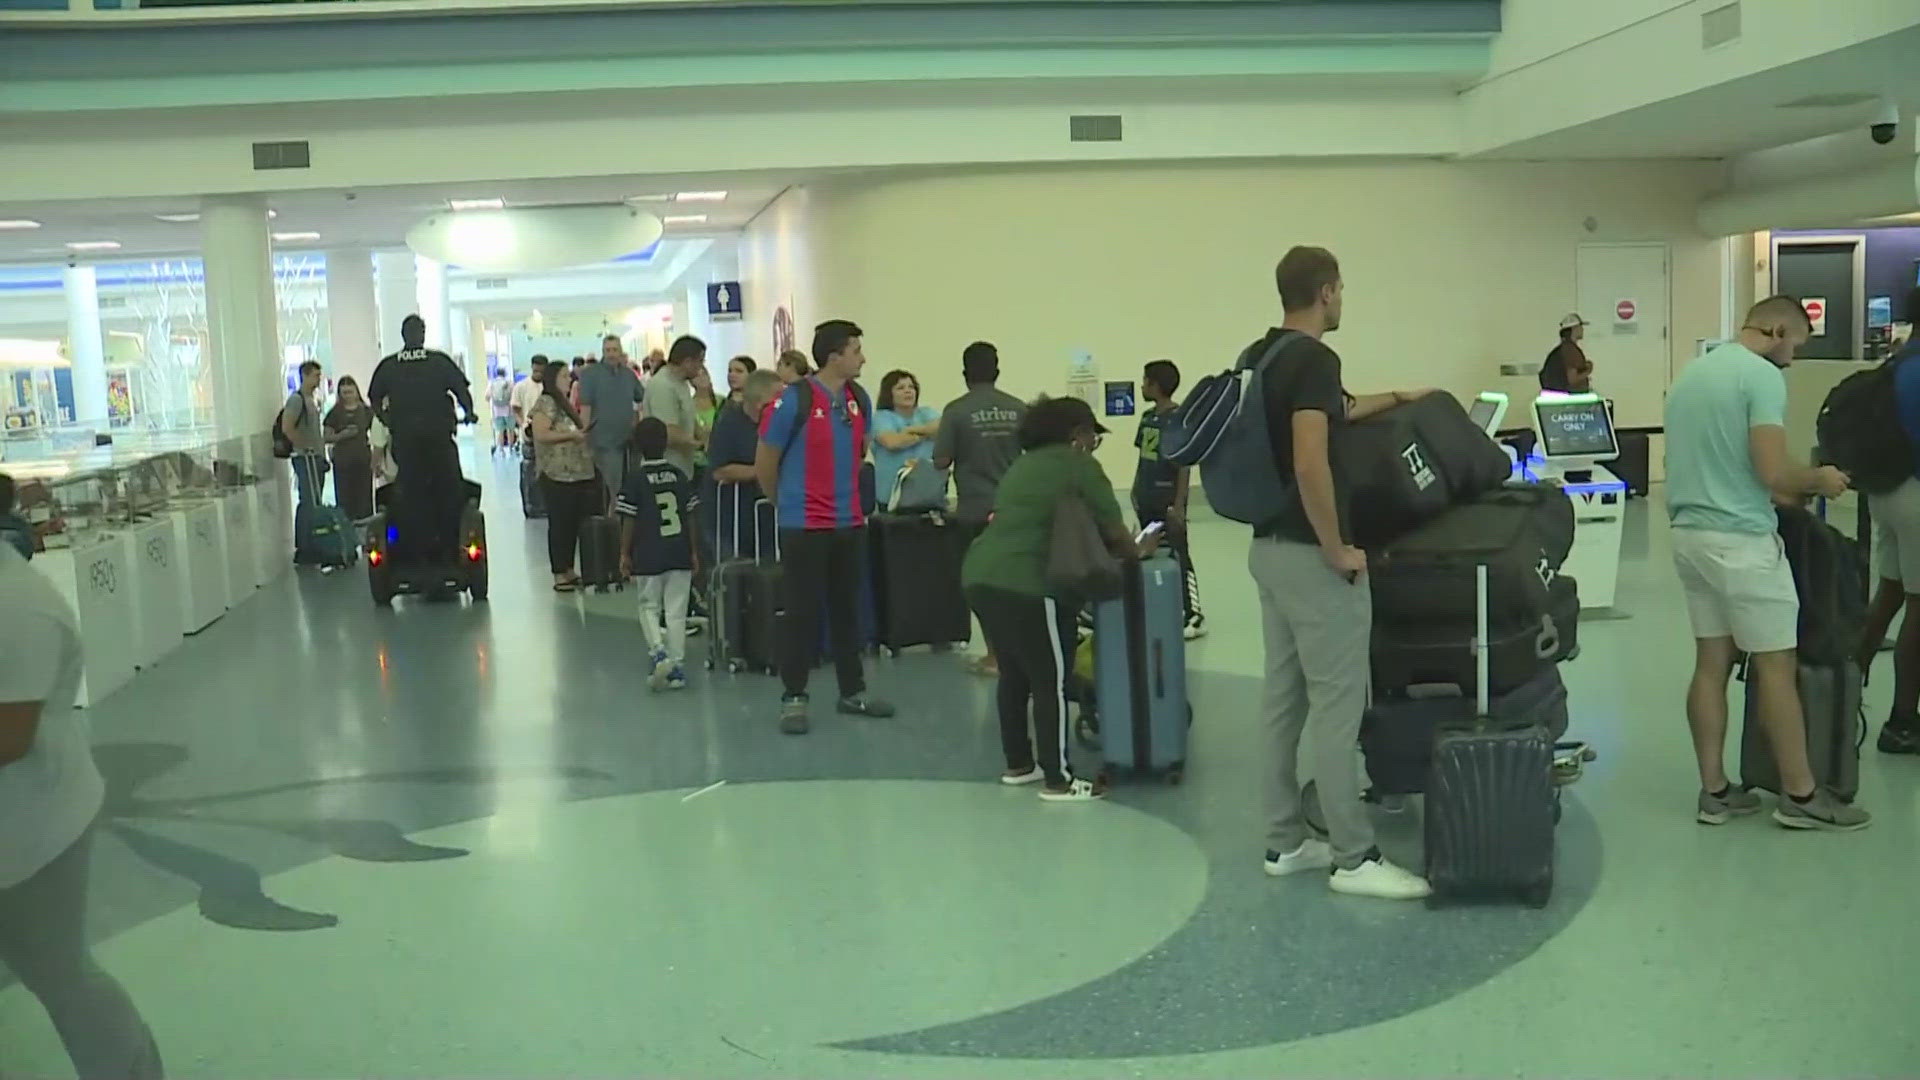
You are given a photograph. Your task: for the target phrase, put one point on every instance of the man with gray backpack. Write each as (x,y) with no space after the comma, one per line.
(1264,437)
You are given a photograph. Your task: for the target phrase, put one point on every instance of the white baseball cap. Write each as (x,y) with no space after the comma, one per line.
(1571,321)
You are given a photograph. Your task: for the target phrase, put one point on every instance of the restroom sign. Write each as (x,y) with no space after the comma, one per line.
(1816,314)
(1625,311)
(723,301)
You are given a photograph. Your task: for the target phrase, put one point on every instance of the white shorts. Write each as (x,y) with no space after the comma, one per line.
(1738,585)
(1896,535)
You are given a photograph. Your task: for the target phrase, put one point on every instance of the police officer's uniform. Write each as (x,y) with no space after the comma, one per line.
(409,391)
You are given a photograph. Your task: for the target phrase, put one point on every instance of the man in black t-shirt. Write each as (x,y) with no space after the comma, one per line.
(1160,487)
(1315,602)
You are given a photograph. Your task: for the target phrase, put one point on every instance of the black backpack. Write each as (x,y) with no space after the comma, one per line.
(283,446)
(1859,430)
(1830,575)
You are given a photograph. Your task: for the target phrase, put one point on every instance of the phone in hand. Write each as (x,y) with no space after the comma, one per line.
(1153,529)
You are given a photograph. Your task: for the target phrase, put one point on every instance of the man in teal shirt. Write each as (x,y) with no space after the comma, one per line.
(1726,465)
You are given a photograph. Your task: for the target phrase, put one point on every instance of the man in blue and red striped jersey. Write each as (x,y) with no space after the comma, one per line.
(813,441)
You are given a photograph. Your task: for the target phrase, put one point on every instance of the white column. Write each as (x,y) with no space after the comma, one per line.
(353,314)
(242,328)
(398,293)
(431,301)
(86,348)
(476,347)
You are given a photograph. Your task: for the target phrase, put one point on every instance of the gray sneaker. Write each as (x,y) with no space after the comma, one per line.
(1737,802)
(863,704)
(1823,811)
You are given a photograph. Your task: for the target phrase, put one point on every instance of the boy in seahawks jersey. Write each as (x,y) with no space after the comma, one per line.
(656,507)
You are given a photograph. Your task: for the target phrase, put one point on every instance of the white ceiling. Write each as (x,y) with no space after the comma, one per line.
(373,217)
(1744,115)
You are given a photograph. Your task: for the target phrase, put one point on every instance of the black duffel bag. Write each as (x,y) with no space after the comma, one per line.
(1406,465)
(1522,533)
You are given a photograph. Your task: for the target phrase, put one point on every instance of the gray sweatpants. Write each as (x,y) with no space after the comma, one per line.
(43,941)
(612,466)
(1317,626)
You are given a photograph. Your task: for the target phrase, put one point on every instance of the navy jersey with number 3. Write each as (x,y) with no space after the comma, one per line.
(661,501)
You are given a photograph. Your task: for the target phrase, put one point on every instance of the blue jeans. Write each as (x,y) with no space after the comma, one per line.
(309,473)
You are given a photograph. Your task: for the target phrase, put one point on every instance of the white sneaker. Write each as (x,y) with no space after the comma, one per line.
(1310,855)
(1380,878)
(662,671)
(1031,776)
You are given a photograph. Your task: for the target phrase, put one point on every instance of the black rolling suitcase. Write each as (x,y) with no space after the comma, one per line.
(1491,801)
(745,604)
(1408,464)
(1398,734)
(533,497)
(916,576)
(600,553)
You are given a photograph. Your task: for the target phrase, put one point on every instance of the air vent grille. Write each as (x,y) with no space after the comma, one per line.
(490,283)
(1094,129)
(1719,26)
(281,155)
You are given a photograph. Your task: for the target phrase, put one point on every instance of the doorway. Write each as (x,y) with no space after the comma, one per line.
(1827,274)
(1622,291)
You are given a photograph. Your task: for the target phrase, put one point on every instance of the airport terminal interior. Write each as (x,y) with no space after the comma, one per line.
(348,834)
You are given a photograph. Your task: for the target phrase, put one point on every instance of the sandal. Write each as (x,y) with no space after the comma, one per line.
(566,586)
(1075,791)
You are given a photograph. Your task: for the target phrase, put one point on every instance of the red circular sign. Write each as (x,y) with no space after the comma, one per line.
(1625,311)
(1815,309)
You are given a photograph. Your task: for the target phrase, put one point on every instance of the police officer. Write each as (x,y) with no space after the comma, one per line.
(409,392)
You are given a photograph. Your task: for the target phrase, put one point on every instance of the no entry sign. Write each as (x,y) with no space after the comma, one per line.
(1816,314)
(1625,310)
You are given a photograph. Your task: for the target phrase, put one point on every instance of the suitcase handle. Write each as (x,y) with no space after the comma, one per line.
(1159,669)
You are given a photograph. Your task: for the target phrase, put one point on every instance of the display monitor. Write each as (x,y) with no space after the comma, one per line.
(1576,429)
(1879,312)
(1487,411)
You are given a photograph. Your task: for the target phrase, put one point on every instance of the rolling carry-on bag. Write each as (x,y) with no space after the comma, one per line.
(1491,800)
(1408,464)
(1140,672)
(533,497)
(745,601)
(1831,701)
(916,579)
(600,553)
(322,535)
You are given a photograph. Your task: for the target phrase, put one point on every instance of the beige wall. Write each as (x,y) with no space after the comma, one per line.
(777,270)
(1451,269)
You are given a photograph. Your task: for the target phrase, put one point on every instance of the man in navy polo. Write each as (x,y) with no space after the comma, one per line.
(813,441)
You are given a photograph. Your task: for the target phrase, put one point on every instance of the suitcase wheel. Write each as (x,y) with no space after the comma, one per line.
(1175,775)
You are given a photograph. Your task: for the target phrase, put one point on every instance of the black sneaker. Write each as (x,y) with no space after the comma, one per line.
(793,715)
(865,705)
(1898,738)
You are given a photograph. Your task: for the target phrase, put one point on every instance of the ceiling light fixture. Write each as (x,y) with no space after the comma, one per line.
(649,198)
(701,196)
(295,237)
(177,219)
(18,224)
(94,245)
(477,204)
(684,219)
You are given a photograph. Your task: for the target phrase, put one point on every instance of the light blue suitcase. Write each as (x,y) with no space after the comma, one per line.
(1140,674)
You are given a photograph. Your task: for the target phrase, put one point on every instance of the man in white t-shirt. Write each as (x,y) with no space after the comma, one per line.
(526,394)
(50,793)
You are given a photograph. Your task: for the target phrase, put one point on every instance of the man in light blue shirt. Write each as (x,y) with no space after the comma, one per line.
(1726,464)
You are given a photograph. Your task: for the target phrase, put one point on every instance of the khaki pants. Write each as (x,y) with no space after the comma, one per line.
(1317,625)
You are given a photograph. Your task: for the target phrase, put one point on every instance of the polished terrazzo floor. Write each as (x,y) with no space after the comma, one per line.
(466,841)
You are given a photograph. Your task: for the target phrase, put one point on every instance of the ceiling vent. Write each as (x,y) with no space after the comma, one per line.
(1841,100)
(1720,26)
(281,155)
(490,283)
(1093,129)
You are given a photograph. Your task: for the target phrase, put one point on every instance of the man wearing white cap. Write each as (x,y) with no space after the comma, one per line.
(1567,369)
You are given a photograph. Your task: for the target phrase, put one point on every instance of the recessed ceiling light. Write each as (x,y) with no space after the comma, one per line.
(177,219)
(684,219)
(477,204)
(649,198)
(18,223)
(701,196)
(94,245)
(295,237)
